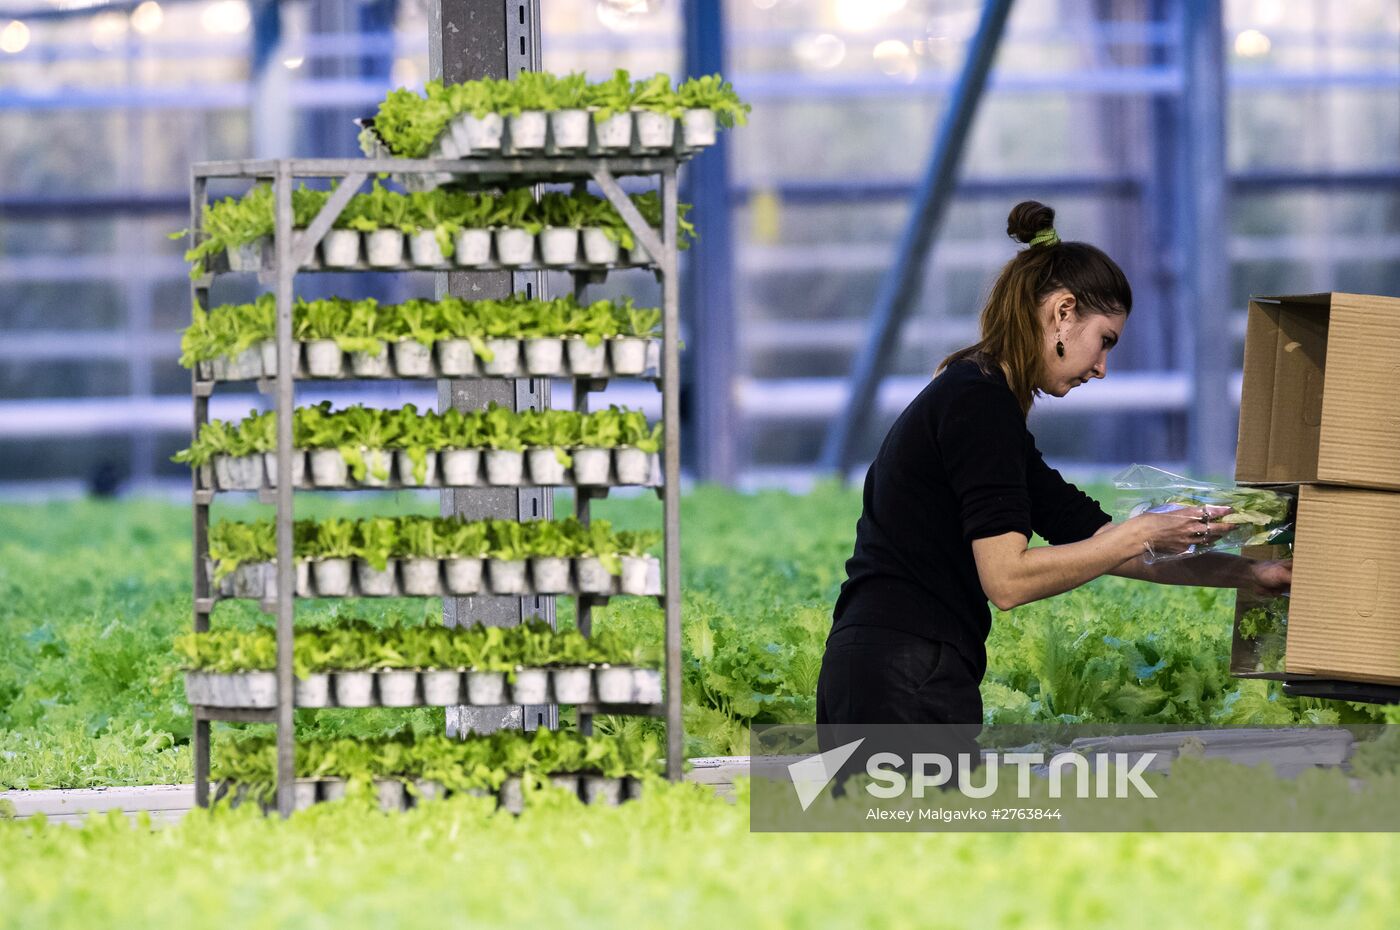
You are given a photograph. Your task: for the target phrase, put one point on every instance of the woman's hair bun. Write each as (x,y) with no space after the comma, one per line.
(1028,218)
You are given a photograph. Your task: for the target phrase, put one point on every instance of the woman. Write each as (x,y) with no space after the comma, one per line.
(958,487)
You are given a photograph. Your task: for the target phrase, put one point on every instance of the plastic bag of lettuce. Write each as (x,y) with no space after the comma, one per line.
(1263,516)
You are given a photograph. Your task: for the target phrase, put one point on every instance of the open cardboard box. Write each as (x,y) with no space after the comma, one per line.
(1321,384)
(1344,607)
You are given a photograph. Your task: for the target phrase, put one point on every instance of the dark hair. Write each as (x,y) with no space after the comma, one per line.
(1011,330)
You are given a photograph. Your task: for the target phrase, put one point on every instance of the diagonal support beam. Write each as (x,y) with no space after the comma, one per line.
(305,243)
(901,286)
(648,237)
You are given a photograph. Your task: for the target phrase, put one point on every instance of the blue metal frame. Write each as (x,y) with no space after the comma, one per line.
(708,282)
(900,287)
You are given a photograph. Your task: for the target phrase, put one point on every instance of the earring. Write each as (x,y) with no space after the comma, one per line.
(1059,348)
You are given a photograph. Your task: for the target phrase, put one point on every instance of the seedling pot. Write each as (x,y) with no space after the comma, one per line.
(251,579)
(268,350)
(545,467)
(629,355)
(585,359)
(298,468)
(531,686)
(507,576)
(313,691)
(566,781)
(698,128)
(639,255)
(333,789)
(206,476)
(375,582)
(246,365)
(615,132)
(353,689)
(254,689)
(551,575)
(573,685)
(405,467)
(593,578)
(249,256)
(655,130)
(527,130)
(653,355)
(398,687)
(505,360)
(372,365)
(483,132)
(559,247)
(514,246)
(233,473)
(614,683)
(425,250)
(592,466)
(602,789)
(379,467)
(513,794)
(412,359)
(455,358)
(473,247)
(460,467)
(635,570)
(632,788)
(329,468)
(486,688)
(199,690)
(544,357)
(505,467)
(389,793)
(385,247)
(341,248)
(458,130)
(598,249)
(421,577)
(570,129)
(633,465)
(332,577)
(646,685)
(442,687)
(304,793)
(324,359)
(425,789)
(463,576)
(303,578)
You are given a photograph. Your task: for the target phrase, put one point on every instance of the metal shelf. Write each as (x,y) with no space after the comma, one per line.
(292,249)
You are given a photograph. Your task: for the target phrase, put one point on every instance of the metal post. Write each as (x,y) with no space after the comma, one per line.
(1211,420)
(901,285)
(199,295)
(469,40)
(286,574)
(709,281)
(671,493)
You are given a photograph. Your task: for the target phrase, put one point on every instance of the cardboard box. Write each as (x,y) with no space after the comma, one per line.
(1344,615)
(1321,384)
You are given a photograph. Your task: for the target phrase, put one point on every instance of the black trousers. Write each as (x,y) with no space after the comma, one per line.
(878,675)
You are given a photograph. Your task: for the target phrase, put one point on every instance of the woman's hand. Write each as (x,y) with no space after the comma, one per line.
(1269,578)
(1177,530)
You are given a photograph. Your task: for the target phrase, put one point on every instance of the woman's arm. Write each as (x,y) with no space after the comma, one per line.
(1012,574)
(1211,570)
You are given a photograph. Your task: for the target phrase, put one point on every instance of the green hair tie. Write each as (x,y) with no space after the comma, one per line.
(1046,236)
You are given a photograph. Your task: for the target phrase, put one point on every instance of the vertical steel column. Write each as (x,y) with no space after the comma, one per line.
(469,40)
(901,285)
(708,284)
(286,570)
(671,493)
(1212,422)
(199,295)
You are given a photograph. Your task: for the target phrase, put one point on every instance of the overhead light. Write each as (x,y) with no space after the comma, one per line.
(820,52)
(893,57)
(226,17)
(292,62)
(14,37)
(1252,44)
(626,15)
(864,15)
(108,29)
(147,17)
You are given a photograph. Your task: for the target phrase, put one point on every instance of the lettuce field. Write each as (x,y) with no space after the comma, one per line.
(92,595)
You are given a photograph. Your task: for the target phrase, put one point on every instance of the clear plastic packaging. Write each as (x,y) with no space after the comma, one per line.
(1264,516)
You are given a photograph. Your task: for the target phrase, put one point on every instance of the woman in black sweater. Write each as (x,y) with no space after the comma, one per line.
(958,486)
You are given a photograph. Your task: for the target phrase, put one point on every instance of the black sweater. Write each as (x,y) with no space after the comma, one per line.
(958,465)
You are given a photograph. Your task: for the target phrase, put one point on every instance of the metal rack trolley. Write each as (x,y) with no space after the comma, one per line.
(291,251)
